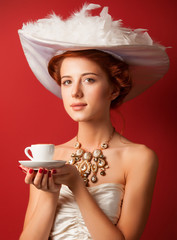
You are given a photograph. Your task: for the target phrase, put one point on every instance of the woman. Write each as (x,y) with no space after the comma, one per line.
(105,190)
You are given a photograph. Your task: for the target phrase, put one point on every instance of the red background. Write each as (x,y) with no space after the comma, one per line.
(30,114)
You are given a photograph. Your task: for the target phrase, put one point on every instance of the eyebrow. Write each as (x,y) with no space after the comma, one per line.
(84,74)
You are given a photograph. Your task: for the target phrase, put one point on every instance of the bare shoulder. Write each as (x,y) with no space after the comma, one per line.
(135,155)
(139,158)
(142,155)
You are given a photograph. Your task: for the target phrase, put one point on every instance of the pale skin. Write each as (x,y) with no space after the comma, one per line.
(133,165)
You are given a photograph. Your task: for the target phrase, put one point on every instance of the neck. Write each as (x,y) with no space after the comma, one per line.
(91,135)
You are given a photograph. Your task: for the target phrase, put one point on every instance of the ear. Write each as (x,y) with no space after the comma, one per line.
(114,94)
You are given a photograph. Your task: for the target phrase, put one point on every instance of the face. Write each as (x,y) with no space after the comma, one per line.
(85,89)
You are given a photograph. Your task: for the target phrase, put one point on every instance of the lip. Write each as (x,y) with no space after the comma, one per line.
(78,106)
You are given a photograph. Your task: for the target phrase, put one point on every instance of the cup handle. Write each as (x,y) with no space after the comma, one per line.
(26,152)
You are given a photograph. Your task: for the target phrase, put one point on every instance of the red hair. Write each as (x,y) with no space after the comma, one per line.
(116,70)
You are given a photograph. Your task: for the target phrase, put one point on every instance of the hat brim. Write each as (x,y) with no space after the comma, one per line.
(148,63)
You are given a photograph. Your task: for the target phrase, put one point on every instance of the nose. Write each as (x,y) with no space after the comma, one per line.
(77,90)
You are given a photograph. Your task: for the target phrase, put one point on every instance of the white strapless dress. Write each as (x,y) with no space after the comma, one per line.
(69,224)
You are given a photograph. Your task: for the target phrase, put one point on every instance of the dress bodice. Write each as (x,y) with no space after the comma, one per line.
(69,224)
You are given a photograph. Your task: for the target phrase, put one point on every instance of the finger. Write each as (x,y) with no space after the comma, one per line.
(38,178)
(23,169)
(61,179)
(44,182)
(50,181)
(51,185)
(29,176)
(62,170)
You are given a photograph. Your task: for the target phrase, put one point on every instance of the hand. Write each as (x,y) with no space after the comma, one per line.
(42,179)
(67,175)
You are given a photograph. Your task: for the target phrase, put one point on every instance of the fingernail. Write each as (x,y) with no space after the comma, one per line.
(54,171)
(49,174)
(23,170)
(20,168)
(40,170)
(45,171)
(31,171)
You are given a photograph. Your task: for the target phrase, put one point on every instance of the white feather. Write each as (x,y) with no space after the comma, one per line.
(83,28)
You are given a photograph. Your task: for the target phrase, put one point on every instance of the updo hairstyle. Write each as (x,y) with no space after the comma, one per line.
(116,70)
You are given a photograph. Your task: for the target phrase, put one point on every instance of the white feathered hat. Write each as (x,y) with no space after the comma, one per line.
(45,38)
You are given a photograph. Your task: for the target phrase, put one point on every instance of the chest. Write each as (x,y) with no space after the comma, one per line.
(114,173)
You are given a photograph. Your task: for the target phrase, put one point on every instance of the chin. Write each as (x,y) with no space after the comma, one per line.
(80,116)
(86,116)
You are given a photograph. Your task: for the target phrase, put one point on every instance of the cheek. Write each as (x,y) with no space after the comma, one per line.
(65,99)
(65,93)
(101,93)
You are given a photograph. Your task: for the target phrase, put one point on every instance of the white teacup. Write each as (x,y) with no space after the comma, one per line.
(40,152)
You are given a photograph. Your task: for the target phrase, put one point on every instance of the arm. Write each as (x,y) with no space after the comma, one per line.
(141,175)
(41,207)
(140,181)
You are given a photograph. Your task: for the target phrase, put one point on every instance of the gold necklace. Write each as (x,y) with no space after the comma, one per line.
(83,161)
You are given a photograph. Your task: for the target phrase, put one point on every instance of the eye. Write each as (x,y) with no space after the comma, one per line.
(89,80)
(66,82)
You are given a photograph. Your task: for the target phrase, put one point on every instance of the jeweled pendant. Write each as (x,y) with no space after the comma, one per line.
(86,181)
(104,145)
(94,179)
(97,153)
(84,167)
(79,152)
(102,173)
(77,145)
(94,168)
(85,175)
(101,163)
(72,161)
(86,163)
(87,156)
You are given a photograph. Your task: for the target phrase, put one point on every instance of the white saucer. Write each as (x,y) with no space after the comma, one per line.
(45,164)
